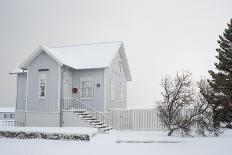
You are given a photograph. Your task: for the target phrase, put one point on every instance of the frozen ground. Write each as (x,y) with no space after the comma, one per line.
(106,144)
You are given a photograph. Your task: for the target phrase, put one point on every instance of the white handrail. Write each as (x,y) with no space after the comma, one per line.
(75,105)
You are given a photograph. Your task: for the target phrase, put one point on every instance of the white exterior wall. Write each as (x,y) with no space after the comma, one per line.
(72,120)
(21,91)
(42,119)
(98,92)
(43,112)
(117,79)
(34,103)
(20,116)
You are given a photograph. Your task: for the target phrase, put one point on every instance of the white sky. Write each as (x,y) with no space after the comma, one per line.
(160,36)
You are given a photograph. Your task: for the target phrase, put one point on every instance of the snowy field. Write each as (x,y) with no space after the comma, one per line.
(107,144)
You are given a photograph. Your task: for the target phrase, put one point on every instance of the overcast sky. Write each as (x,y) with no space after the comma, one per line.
(160,36)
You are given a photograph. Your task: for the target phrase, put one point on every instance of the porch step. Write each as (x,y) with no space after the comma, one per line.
(107,129)
(101,126)
(97,123)
(80,111)
(87,116)
(94,121)
(81,114)
(88,119)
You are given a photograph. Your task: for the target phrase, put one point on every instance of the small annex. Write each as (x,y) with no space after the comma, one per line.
(72,85)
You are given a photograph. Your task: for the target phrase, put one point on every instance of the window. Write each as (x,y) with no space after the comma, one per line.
(86,88)
(43,86)
(112,91)
(120,65)
(117,66)
(121,92)
(12,116)
(6,115)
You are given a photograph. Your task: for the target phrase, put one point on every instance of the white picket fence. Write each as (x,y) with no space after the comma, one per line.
(136,119)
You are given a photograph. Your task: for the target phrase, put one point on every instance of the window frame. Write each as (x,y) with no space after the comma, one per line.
(6,115)
(43,76)
(118,65)
(86,79)
(12,116)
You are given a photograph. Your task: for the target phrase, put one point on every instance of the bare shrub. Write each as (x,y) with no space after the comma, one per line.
(183,108)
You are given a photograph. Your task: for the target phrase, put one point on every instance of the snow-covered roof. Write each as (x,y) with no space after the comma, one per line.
(7,109)
(84,56)
(17,70)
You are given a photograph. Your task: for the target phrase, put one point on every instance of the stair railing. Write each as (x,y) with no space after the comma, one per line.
(73,104)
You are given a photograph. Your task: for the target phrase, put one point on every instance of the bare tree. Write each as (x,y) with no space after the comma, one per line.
(182,109)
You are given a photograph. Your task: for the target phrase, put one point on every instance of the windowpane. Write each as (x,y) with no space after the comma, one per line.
(86,88)
(6,115)
(42,86)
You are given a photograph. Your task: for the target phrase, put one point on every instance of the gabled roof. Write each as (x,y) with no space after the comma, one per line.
(84,56)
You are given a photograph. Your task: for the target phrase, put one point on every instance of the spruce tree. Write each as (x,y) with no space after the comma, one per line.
(221,81)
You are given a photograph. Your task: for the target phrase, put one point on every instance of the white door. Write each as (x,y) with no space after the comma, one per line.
(67,87)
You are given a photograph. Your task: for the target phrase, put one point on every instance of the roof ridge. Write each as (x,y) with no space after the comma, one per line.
(86,44)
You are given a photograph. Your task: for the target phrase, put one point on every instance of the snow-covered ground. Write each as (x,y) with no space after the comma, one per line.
(106,144)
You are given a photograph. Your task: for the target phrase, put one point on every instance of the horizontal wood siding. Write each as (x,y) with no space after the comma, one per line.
(97,102)
(34,103)
(21,91)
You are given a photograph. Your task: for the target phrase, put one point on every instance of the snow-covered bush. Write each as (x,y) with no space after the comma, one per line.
(38,135)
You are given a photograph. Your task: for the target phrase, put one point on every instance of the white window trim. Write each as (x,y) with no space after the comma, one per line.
(44,77)
(86,79)
(117,65)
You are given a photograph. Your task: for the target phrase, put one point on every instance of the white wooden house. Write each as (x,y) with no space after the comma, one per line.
(7,113)
(72,85)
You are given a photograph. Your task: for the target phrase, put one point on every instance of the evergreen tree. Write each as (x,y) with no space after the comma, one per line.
(221,81)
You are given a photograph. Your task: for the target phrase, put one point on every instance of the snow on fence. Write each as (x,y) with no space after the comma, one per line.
(136,119)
